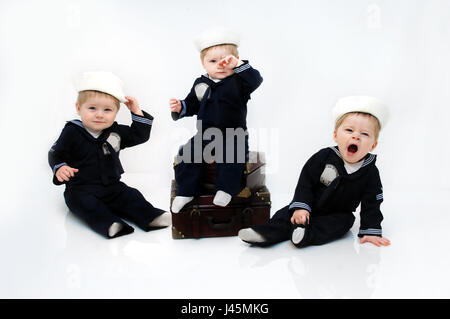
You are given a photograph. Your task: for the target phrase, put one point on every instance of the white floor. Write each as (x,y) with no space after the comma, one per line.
(48,253)
(318,52)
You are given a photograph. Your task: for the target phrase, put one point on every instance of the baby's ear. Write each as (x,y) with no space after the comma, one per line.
(374,145)
(77,107)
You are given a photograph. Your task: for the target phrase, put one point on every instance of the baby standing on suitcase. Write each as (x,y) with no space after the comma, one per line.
(219,99)
(332,184)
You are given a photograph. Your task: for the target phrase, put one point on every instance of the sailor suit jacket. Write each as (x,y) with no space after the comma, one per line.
(97,159)
(221,104)
(325,187)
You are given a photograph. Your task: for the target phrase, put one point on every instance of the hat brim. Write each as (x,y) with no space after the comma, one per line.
(363,104)
(216,37)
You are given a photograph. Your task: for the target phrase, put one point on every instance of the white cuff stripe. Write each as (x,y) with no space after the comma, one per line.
(55,168)
(370,231)
(242,68)
(300,205)
(141,119)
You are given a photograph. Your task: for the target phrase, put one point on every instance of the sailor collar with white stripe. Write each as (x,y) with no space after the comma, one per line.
(85,129)
(212,79)
(369,157)
(77,122)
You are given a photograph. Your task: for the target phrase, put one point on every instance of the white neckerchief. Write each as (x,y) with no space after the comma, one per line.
(215,80)
(94,133)
(351,168)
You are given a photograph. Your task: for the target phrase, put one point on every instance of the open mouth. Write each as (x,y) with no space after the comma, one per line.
(352,148)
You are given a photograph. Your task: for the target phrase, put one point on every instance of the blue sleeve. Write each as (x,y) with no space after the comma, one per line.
(138,132)
(309,177)
(59,153)
(251,78)
(370,214)
(189,106)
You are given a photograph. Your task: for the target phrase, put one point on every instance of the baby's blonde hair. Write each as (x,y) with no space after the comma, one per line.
(83,96)
(343,117)
(231,47)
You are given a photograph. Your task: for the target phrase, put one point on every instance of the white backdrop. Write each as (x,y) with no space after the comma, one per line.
(309,53)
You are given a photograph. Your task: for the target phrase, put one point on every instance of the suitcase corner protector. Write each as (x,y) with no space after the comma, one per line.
(245,193)
(176,234)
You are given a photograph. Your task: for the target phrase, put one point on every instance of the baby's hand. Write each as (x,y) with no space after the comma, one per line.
(300,217)
(175,105)
(133,105)
(230,62)
(377,241)
(64,173)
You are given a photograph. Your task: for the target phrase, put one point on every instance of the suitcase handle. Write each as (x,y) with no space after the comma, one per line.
(221,226)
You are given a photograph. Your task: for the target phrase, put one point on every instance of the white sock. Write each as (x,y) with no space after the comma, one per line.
(114,229)
(179,202)
(163,220)
(249,235)
(222,198)
(297,235)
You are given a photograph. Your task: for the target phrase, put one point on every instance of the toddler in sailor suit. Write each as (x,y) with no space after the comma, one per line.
(333,183)
(219,99)
(86,159)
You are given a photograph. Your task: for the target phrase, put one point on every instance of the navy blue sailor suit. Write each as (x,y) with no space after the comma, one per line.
(221,106)
(95,194)
(330,195)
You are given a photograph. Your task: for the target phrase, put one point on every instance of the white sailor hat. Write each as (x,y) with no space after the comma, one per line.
(364,104)
(216,36)
(105,82)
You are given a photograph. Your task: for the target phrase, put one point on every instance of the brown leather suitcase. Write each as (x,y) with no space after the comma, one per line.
(201,218)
